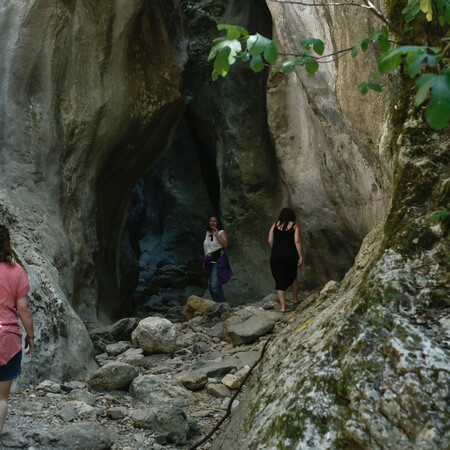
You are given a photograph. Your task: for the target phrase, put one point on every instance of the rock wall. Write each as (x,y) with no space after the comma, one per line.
(90,98)
(328,138)
(366,366)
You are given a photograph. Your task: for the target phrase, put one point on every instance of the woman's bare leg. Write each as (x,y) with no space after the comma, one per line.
(5,387)
(282,299)
(295,289)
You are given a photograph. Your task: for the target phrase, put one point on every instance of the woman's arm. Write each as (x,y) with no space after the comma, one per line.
(270,239)
(222,238)
(24,310)
(298,244)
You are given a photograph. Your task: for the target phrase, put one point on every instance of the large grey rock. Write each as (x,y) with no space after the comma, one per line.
(112,376)
(82,396)
(155,389)
(155,335)
(77,436)
(192,380)
(168,419)
(246,327)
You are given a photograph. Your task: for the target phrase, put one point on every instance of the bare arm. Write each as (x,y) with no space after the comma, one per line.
(223,239)
(24,310)
(270,239)
(298,244)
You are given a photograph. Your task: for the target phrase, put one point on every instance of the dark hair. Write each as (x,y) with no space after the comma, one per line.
(5,245)
(219,223)
(286,215)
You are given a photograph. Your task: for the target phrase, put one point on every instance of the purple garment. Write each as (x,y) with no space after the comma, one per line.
(224,272)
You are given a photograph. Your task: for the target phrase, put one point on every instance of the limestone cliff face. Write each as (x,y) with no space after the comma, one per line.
(328,138)
(366,366)
(90,96)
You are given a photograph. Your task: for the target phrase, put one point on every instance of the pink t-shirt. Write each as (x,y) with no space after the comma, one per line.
(14,285)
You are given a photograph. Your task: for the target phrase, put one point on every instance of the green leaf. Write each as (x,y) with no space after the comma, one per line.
(289,66)
(257,44)
(364,87)
(375,87)
(412,10)
(437,112)
(317,45)
(389,61)
(392,59)
(443,11)
(256,64)
(363,44)
(271,53)
(221,63)
(440,215)
(312,66)
(223,42)
(424,84)
(233,31)
(414,61)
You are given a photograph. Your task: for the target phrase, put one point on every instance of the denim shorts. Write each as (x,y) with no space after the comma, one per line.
(11,369)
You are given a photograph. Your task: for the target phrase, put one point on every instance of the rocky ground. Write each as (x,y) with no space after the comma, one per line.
(163,392)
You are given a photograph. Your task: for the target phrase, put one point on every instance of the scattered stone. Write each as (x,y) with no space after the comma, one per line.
(78,436)
(117,348)
(218,390)
(196,305)
(155,335)
(246,328)
(217,369)
(192,380)
(80,395)
(12,439)
(200,348)
(68,413)
(117,413)
(231,381)
(115,375)
(123,328)
(154,389)
(71,385)
(49,386)
(167,419)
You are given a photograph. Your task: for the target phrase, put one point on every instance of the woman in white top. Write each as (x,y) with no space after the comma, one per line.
(215,241)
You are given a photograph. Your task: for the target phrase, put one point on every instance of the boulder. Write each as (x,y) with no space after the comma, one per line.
(196,305)
(168,419)
(117,348)
(112,376)
(245,328)
(192,380)
(155,389)
(155,335)
(218,390)
(78,436)
(82,396)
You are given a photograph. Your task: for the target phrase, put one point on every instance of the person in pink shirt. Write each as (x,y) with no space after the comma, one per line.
(14,288)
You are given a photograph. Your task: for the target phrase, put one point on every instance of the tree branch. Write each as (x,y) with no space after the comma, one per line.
(291,2)
(368,6)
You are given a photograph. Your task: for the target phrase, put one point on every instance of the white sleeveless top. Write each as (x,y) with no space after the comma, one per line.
(209,245)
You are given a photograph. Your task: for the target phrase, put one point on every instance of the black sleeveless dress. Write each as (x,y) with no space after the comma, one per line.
(284,258)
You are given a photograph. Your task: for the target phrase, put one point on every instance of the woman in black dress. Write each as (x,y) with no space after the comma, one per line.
(287,255)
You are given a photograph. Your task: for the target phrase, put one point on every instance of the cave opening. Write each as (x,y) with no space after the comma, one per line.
(165,224)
